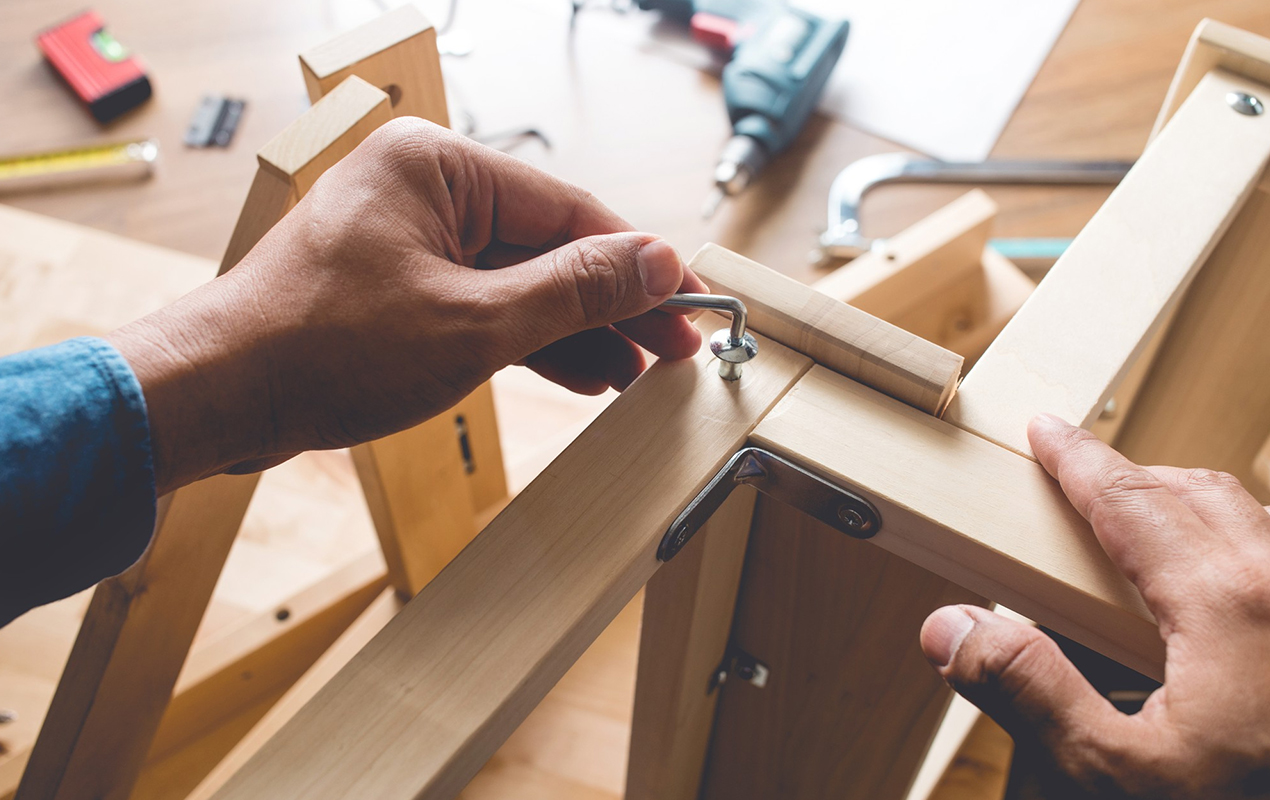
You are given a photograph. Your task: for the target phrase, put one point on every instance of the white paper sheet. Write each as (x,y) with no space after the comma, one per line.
(939,76)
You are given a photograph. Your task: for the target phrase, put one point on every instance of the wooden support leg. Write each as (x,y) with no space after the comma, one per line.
(427,486)
(396,52)
(130,648)
(688,609)
(140,624)
(850,704)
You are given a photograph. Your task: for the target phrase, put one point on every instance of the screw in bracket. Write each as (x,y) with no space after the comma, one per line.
(1246,104)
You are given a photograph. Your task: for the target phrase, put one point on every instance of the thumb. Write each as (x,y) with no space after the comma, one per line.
(590,283)
(1018,676)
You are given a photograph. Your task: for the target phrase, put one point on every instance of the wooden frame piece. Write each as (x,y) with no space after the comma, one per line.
(396,51)
(1113,289)
(938,279)
(843,338)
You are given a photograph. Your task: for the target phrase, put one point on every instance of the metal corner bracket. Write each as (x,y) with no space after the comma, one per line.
(781,480)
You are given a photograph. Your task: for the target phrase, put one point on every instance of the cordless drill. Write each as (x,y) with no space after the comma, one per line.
(781,60)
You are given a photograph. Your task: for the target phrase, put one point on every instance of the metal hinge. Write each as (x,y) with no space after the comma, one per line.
(465,444)
(743,665)
(782,480)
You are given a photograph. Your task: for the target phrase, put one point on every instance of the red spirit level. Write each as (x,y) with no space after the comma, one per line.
(105,75)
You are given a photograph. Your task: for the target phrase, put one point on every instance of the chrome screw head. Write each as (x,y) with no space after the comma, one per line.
(732,352)
(1246,104)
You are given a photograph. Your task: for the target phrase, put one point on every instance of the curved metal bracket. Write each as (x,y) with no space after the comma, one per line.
(781,480)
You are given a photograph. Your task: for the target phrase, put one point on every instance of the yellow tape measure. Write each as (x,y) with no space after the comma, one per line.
(91,163)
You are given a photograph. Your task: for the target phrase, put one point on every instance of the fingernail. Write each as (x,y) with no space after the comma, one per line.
(943,634)
(659,267)
(1052,422)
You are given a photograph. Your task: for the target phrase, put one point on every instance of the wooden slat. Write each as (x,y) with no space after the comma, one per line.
(1073,341)
(1005,289)
(358,634)
(1215,45)
(845,339)
(241,665)
(417,712)
(918,262)
(979,515)
(130,648)
(1206,400)
(417,492)
(850,704)
(396,51)
(327,132)
(688,609)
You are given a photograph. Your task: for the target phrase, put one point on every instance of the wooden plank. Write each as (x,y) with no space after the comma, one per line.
(396,52)
(1215,45)
(979,515)
(938,279)
(418,711)
(130,648)
(487,479)
(845,339)
(850,704)
(1005,289)
(688,608)
(1206,400)
(330,130)
(358,634)
(1073,341)
(417,491)
(918,262)
(233,670)
(980,768)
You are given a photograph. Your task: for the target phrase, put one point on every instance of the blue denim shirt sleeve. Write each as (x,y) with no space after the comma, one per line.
(77,496)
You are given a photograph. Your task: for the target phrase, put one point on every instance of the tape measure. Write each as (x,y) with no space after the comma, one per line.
(118,161)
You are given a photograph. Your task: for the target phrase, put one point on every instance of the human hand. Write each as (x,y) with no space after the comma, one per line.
(412,271)
(1197,546)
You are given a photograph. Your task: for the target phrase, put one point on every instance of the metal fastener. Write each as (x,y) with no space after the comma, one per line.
(1246,104)
(7,715)
(732,346)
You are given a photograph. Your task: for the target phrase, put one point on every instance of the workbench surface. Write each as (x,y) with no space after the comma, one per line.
(632,119)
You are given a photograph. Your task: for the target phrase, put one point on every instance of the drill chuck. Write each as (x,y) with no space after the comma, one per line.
(741,160)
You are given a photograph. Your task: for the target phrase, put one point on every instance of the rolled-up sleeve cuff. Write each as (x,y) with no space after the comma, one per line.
(77,493)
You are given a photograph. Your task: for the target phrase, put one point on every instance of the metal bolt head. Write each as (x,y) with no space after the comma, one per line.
(1246,104)
(851,517)
(732,353)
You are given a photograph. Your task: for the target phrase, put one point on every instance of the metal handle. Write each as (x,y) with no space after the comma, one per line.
(843,238)
(732,347)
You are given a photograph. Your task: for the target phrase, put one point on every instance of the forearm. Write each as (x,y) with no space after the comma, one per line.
(205,376)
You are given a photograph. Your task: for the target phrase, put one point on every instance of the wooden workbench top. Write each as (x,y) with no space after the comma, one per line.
(631,118)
